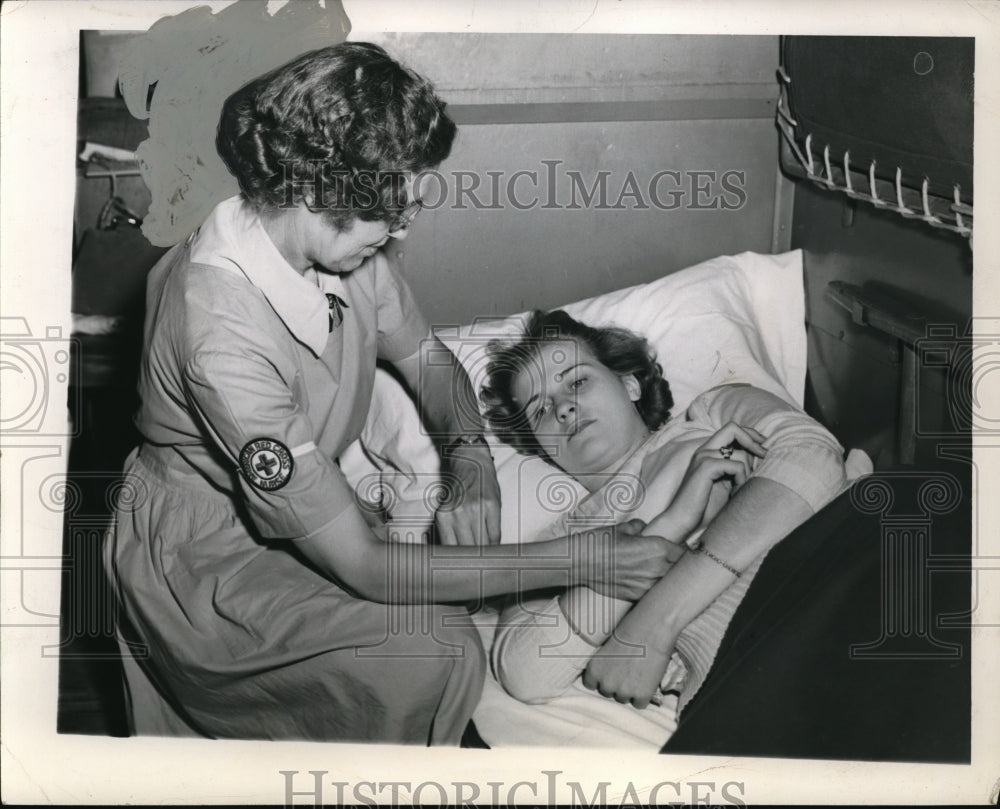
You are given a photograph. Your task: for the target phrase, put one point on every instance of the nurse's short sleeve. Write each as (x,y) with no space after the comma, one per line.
(401,326)
(291,491)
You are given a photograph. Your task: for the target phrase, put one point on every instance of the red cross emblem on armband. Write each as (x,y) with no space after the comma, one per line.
(266,463)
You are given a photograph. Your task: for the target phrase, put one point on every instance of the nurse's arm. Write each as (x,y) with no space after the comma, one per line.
(449,409)
(347,551)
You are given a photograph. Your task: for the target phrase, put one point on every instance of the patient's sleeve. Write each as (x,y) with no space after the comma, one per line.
(536,655)
(801,454)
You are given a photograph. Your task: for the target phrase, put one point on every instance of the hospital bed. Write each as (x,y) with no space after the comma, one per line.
(853,641)
(825,658)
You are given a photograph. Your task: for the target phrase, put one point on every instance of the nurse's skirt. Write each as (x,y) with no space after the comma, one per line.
(225,637)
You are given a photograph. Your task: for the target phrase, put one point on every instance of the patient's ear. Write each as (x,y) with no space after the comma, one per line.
(632,387)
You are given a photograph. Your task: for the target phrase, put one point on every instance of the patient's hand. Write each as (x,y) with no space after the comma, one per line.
(627,668)
(686,515)
(719,466)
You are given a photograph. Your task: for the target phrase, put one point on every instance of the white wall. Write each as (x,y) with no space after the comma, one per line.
(617,104)
(626,105)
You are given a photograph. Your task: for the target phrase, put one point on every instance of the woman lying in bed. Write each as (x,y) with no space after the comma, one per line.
(730,478)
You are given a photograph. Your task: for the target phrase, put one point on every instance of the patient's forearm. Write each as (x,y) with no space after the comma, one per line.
(800,473)
(592,616)
(758,516)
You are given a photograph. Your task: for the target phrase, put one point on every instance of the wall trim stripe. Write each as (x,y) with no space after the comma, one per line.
(612,111)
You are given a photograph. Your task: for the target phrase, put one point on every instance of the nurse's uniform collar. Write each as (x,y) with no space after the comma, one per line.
(233,238)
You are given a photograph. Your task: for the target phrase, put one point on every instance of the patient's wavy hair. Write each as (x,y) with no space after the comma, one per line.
(343,122)
(620,350)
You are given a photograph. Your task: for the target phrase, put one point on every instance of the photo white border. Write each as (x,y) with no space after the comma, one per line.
(39,100)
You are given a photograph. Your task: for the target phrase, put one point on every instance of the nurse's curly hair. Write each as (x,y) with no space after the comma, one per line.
(335,128)
(619,350)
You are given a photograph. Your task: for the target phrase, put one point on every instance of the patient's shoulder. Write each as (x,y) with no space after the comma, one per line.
(740,402)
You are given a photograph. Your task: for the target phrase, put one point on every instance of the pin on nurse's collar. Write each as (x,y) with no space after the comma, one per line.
(337,307)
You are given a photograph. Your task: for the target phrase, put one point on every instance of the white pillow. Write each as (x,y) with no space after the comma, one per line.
(394,464)
(730,319)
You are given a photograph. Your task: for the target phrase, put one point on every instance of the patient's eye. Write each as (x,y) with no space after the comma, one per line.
(578,383)
(541,411)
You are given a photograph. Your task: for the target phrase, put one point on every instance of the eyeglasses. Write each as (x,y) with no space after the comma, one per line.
(403,219)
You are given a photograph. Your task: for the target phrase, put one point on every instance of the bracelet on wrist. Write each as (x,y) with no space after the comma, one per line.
(706,552)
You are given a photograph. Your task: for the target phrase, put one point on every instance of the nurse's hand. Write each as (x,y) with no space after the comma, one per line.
(470,511)
(620,561)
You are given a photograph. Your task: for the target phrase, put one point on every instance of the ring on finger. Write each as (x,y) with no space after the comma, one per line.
(726,452)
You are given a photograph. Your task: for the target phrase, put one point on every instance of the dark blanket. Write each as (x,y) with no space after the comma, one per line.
(846,645)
